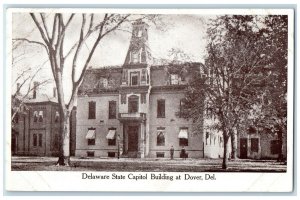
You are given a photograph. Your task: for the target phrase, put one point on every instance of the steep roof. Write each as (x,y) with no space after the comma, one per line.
(42,98)
(94,77)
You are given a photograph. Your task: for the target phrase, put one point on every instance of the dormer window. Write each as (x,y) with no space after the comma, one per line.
(103,83)
(174,79)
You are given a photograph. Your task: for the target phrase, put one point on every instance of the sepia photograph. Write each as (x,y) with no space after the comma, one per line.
(150,95)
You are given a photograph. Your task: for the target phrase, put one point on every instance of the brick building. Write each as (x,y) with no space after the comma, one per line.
(259,144)
(134,109)
(36,127)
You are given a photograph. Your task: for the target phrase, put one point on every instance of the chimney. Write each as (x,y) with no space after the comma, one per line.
(54,92)
(35,89)
(18,88)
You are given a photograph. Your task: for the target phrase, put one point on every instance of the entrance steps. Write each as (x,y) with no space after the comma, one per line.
(132,154)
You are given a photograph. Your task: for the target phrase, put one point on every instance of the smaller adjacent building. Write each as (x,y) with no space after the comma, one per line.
(213,141)
(36,127)
(259,145)
(213,144)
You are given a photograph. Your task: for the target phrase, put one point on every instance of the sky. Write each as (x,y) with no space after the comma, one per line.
(184,32)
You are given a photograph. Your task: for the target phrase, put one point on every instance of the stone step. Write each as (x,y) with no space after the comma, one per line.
(132,154)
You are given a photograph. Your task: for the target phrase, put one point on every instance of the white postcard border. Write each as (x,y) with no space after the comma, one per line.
(226,182)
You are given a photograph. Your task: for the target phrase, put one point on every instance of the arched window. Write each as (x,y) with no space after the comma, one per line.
(135,56)
(133,104)
(56,117)
(160,139)
(35,116)
(41,116)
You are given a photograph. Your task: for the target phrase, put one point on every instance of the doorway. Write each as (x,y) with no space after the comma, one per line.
(38,143)
(243,148)
(133,140)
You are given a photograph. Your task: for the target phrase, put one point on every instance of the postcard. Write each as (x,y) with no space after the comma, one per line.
(160,100)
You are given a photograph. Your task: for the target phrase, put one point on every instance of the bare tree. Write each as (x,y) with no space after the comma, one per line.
(56,30)
(53,33)
(24,81)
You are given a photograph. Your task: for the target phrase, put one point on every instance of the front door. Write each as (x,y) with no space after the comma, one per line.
(133,139)
(243,147)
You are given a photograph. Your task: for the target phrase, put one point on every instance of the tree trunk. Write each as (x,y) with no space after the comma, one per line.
(64,151)
(225,154)
(233,137)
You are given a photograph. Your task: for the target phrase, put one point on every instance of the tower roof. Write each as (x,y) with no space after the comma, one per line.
(139,22)
(138,52)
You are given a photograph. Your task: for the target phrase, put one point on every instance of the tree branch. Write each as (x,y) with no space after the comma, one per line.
(54,29)
(116,26)
(45,26)
(40,29)
(91,22)
(31,41)
(69,20)
(77,83)
(80,42)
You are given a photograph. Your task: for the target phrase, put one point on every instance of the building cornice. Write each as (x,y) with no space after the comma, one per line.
(104,69)
(115,93)
(135,66)
(168,88)
(42,103)
(195,65)
(126,89)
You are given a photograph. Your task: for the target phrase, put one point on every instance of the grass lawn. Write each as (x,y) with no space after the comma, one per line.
(146,165)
